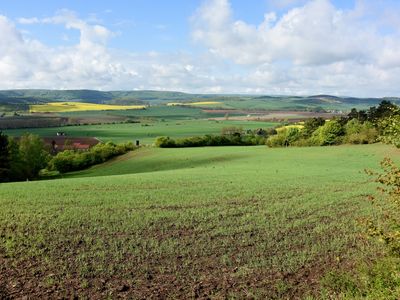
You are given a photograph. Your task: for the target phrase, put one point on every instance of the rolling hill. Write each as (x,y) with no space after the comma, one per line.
(20,99)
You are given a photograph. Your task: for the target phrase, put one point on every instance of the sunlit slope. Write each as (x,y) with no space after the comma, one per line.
(179,218)
(278,163)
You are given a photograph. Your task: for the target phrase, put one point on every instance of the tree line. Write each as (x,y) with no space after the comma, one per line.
(381,123)
(230,136)
(26,157)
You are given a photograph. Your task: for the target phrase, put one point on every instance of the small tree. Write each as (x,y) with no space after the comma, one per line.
(360,133)
(359,115)
(285,137)
(390,130)
(292,135)
(33,155)
(311,125)
(331,133)
(384,110)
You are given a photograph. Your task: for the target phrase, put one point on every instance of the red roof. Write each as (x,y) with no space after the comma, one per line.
(70,143)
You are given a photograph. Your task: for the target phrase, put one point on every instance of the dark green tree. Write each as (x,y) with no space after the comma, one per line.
(33,155)
(16,163)
(311,125)
(4,158)
(359,115)
(385,109)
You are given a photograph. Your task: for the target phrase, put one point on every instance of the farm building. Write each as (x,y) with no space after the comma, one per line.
(61,143)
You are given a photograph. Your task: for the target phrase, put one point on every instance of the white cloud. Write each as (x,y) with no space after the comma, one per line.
(28,20)
(26,63)
(305,41)
(316,33)
(89,33)
(313,48)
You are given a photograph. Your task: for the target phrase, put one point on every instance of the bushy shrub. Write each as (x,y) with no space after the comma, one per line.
(70,160)
(331,133)
(360,133)
(389,129)
(292,135)
(195,141)
(311,125)
(165,142)
(284,138)
(276,141)
(387,228)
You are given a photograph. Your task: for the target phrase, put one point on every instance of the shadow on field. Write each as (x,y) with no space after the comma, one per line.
(186,163)
(145,162)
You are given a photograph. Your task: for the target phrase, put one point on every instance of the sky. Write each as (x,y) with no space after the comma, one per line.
(274,47)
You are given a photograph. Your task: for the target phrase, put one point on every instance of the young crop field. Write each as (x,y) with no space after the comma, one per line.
(53,107)
(221,222)
(147,132)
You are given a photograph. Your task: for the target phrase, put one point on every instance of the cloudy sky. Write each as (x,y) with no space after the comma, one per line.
(212,46)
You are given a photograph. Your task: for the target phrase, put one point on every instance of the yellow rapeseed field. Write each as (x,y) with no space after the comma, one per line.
(78,106)
(290,126)
(194,103)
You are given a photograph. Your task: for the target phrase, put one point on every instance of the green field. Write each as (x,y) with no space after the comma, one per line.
(145,132)
(221,222)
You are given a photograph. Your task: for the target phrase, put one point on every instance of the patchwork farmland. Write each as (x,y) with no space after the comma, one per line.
(208,222)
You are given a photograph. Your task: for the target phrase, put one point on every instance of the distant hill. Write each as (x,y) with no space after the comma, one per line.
(91,96)
(21,99)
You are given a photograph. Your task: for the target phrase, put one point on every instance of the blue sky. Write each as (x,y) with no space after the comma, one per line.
(142,25)
(222,46)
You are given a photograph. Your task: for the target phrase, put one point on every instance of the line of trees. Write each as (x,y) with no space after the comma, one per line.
(26,157)
(71,160)
(380,123)
(230,136)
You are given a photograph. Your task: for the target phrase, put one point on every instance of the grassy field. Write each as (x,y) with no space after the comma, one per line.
(241,222)
(53,107)
(145,132)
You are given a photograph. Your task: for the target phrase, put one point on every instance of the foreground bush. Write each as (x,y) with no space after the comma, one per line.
(379,277)
(387,228)
(71,160)
(389,129)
